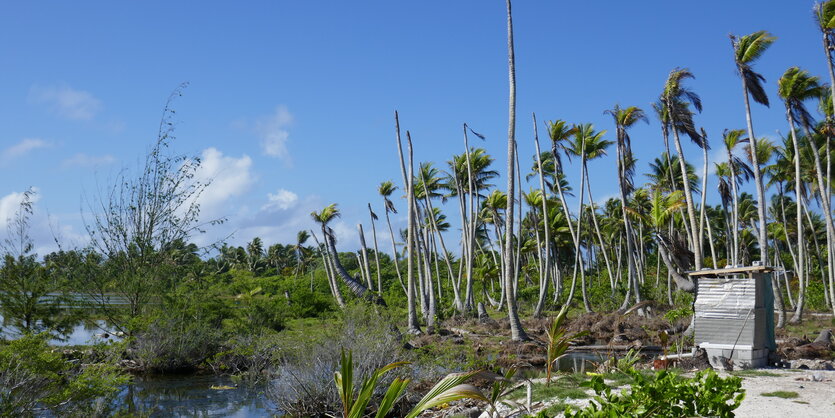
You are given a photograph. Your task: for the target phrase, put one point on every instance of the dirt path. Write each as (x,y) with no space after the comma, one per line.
(814,398)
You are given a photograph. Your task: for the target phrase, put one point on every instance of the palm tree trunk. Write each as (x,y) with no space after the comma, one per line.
(413,327)
(543,280)
(337,294)
(830,238)
(516,330)
(801,255)
(394,253)
(586,304)
(703,208)
(470,227)
(376,252)
(597,227)
(459,306)
(762,236)
(365,258)
(735,214)
(691,210)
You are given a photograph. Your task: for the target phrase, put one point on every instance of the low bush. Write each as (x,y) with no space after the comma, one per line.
(34,378)
(303,382)
(665,394)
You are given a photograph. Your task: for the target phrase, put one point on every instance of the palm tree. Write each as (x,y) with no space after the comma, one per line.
(587,144)
(625,119)
(732,139)
(517,333)
(826,24)
(385,189)
(301,252)
(748,49)
(795,87)
(676,100)
(323,217)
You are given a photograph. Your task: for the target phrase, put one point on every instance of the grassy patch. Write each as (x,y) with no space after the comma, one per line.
(562,387)
(781,394)
(801,402)
(754,373)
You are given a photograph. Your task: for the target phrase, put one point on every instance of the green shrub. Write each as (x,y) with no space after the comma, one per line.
(34,377)
(665,394)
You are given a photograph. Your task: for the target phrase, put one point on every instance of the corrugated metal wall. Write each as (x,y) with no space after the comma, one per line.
(731,311)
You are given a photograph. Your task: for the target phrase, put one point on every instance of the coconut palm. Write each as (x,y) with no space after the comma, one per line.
(624,119)
(323,217)
(795,87)
(677,100)
(386,189)
(732,139)
(747,49)
(586,144)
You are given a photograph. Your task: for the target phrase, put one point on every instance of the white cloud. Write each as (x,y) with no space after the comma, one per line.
(86,160)
(9,205)
(228,176)
(274,134)
(282,199)
(67,102)
(22,148)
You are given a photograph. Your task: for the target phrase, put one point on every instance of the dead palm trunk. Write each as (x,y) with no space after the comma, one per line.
(412,327)
(516,330)
(830,233)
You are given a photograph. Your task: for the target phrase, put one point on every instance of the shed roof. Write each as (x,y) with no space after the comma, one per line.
(733,270)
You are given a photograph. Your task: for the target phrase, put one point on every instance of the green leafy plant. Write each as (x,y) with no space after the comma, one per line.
(665,394)
(448,389)
(558,342)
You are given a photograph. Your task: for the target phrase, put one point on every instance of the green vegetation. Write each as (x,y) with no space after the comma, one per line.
(280,315)
(665,394)
(781,394)
(754,373)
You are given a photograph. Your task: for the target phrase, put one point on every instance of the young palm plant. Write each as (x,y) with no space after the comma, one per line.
(355,400)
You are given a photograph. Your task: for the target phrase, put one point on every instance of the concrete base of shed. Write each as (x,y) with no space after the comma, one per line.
(741,356)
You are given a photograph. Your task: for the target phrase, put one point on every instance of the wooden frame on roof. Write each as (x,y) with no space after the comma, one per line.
(749,270)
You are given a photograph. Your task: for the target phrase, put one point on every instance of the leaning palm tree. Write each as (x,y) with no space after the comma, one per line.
(323,217)
(748,49)
(624,119)
(516,330)
(676,100)
(795,87)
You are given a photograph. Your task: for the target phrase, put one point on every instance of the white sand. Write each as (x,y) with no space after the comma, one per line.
(816,399)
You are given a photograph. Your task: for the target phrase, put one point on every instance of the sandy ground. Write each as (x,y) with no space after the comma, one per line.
(816,398)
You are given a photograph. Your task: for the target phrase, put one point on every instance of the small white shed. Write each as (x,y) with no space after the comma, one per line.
(734,315)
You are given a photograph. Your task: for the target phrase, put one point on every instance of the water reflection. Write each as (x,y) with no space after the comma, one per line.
(193,396)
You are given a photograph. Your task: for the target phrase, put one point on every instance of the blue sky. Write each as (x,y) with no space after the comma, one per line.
(291,103)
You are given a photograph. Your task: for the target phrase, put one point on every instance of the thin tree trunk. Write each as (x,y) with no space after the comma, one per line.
(801,255)
(543,280)
(337,294)
(516,330)
(688,197)
(762,237)
(365,259)
(376,252)
(413,327)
